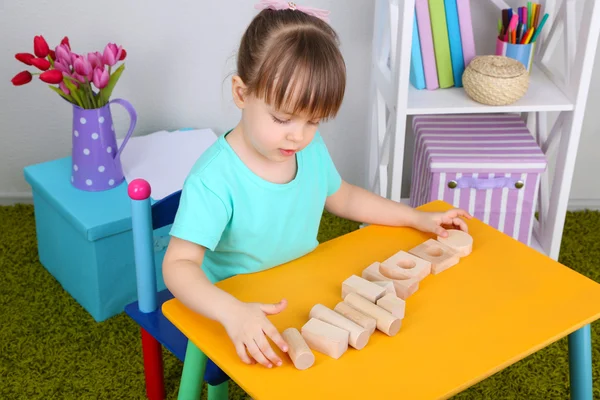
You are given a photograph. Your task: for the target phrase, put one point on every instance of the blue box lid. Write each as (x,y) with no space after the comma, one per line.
(95,214)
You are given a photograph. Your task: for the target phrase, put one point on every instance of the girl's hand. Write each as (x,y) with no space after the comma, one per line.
(438,222)
(247,326)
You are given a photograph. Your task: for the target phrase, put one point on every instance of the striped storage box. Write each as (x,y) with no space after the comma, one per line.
(489,165)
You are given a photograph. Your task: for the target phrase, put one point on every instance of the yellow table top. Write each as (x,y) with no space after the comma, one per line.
(498,305)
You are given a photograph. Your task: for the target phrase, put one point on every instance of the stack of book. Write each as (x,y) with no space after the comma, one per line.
(442,43)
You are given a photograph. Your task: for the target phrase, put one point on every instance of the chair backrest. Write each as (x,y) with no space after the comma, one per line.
(164,210)
(145,218)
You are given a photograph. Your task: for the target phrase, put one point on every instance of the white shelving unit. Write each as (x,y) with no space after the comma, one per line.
(393,99)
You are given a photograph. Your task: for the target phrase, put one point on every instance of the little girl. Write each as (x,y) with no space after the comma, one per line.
(254,200)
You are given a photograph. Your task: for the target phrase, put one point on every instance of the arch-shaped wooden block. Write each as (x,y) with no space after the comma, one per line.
(404,286)
(407,265)
(440,255)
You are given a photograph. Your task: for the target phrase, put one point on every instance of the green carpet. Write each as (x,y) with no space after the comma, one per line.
(50,348)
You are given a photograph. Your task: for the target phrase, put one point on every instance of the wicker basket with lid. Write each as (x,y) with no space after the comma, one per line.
(495,80)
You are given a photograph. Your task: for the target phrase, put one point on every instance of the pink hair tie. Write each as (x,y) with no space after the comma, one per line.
(285,5)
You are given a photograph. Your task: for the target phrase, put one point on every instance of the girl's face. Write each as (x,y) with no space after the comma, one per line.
(274,134)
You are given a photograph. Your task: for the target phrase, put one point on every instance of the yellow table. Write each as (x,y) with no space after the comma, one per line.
(497,306)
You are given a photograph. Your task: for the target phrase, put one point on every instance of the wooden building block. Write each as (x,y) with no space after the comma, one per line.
(298,349)
(403,263)
(326,338)
(368,290)
(460,241)
(366,321)
(404,287)
(359,336)
(386,322)
(393,304)
(387,285)
(441,256)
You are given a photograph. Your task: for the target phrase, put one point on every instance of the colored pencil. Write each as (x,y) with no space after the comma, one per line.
(529,34)
(539,28)
(522,26)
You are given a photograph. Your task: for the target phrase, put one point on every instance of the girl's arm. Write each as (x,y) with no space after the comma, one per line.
(188,282)
(245,323)
(357,204)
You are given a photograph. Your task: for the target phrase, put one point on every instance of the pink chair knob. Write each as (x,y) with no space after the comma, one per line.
(139,189)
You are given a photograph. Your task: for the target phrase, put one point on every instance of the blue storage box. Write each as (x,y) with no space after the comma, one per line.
(85,239)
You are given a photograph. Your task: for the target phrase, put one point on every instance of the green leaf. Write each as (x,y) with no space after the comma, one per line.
(85,99)
(89,93)
(63,94)
(74,91)
(112,81)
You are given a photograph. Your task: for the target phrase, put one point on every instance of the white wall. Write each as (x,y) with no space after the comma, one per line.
(179,56)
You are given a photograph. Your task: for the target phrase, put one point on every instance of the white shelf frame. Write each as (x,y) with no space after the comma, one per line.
(393,100)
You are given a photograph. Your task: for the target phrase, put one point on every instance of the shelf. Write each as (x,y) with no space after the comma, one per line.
(542,95)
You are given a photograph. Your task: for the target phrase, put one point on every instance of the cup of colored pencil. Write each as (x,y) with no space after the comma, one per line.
(518,32)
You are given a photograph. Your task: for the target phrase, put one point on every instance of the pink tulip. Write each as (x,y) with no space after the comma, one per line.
(111,54)
(100,77)
(64,88)
(95,59)
(59,65)
(63,54)
(83,67)
(78,77)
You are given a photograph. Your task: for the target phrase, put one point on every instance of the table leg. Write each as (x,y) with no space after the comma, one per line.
(219,392)
(580,364)
(192,375)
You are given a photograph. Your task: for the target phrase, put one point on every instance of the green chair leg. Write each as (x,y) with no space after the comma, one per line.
(192,375)
(219,392)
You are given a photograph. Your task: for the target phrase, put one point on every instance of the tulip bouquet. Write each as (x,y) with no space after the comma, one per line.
(75,74)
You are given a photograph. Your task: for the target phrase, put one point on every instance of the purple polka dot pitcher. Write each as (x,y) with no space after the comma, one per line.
(96,163)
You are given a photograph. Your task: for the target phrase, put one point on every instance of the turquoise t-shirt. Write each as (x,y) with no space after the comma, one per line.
(249,224)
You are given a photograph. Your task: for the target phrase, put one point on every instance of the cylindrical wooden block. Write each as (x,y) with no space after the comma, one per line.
(366,321)
(460,241)
(386,322)
(298,350)
(359,336)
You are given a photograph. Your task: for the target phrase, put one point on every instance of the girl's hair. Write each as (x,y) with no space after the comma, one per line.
(291,60)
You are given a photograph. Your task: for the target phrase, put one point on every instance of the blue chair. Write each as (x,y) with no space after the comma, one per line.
(156,330)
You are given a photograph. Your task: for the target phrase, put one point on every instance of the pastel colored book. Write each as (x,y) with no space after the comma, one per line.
(426,43)
(441,44)
(456,51)
(417,77)
(466,30)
